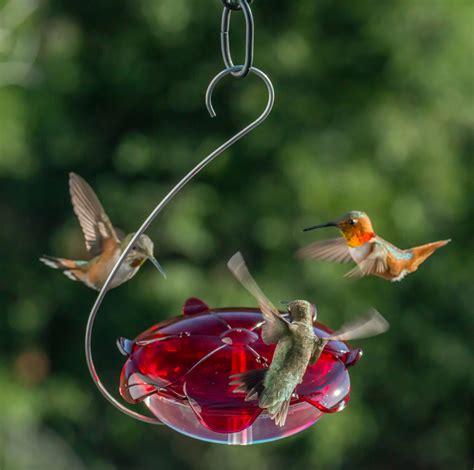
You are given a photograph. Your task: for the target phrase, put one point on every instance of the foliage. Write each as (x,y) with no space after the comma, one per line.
(374,111)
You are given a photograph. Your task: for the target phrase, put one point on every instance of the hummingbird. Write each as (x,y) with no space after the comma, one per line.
(372,254)
(297,346)
(103,241)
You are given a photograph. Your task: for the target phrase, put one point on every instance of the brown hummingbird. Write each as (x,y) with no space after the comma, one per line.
(297,346)
(103,241)
(372,254)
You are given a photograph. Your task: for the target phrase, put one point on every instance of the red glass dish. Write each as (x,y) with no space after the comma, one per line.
(180,369)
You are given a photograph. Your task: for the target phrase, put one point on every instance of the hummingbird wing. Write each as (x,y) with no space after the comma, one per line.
(274,326)
(95,223)
(318,346)
(120,233)
(375,263)
(371,324)
(335,250)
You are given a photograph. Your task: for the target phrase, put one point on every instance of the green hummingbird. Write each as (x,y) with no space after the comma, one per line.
(103,241)
(297,346)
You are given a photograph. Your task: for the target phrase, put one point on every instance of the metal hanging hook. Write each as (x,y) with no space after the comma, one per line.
(163,203)
(261,118)
(243,70)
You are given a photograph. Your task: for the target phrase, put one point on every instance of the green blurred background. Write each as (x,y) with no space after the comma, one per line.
(374,111)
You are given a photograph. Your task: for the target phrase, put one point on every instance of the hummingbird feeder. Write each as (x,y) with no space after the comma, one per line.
(180,368)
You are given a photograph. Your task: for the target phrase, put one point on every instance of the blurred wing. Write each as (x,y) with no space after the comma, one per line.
(119,233)
(371,324)
(375,263)
(275,326)
(335,250)
(95,223)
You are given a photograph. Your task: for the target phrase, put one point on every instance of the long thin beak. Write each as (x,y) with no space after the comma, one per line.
(157,265)
(314,227)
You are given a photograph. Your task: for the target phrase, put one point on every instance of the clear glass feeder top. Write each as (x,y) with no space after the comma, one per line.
(180,369)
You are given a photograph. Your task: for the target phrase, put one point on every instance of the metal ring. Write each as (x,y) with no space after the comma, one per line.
(243,70)
(234,5)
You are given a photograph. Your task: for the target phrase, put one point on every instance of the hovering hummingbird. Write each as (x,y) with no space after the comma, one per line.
(297,346)
(373,255)
(103,241)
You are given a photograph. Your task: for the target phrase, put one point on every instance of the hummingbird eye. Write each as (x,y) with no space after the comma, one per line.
(352,221)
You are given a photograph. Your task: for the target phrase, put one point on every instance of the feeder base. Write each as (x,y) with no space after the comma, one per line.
(182,418)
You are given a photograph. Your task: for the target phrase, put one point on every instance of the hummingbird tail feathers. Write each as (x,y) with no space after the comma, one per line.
(424,251)
(279,411)
(250,382)
(67,266)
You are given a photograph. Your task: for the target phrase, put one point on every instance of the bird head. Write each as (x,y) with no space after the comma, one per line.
(141,251)
(301,310)
(355,226)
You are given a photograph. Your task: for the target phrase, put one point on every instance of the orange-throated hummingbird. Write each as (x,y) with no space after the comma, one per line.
(297,346)
(103,241)
(373,255)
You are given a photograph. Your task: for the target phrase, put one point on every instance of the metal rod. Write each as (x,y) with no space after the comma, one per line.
(163,203)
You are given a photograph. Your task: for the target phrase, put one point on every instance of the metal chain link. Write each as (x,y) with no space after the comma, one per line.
(242,70)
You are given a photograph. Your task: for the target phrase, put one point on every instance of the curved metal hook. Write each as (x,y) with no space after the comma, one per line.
(263,116)
(244,69)
(174,191)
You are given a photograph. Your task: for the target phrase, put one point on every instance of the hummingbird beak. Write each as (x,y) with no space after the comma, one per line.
(314,227)
(157,265)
